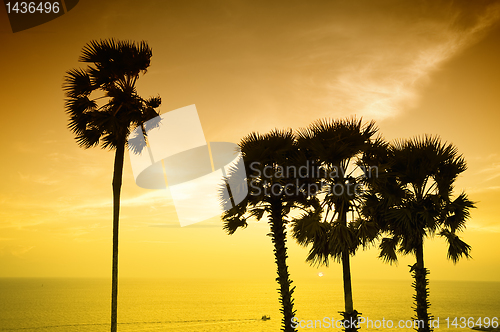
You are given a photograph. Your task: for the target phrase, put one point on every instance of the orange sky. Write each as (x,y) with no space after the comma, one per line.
(428,67)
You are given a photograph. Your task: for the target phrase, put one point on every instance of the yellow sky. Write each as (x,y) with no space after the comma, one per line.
(426,67)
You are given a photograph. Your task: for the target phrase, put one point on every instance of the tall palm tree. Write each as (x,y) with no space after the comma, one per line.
(103,107)
(271,163)
(337,228)
(413,199)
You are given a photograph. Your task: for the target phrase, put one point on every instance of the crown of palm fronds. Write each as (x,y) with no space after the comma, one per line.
(413,197)
(418,160)
(114,67)
(269,160)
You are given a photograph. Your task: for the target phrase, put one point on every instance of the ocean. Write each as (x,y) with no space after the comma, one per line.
(57,305)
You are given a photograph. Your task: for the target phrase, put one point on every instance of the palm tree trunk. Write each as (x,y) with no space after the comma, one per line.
(349,306)
(349,315)
(117,184)
(278,235)
(421,291)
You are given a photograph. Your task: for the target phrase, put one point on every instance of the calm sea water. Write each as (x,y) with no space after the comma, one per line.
(57,305)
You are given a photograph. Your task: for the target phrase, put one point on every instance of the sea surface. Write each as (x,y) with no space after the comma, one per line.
(66,305)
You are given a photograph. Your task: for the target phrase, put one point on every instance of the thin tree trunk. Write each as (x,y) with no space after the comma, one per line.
(350,315)
(421,290)
(117,183)
(278,234)
(346,270)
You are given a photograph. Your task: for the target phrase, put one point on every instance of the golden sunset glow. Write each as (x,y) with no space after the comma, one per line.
(414,67)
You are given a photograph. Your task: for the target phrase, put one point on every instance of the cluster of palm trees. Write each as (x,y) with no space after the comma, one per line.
(309,180)
(339,187)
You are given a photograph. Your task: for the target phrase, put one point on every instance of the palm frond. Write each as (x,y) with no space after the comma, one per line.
(308,228)
(136,142)
(77,83)
(76,106)
(153,102)
(458,212)
(258,213)
(342,239)
(388,249)
(366,231)
(231,224)
(88,138)
(456,247)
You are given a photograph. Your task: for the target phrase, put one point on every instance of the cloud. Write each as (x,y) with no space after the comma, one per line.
(378,69)
(492,171)
(474,226)
(162,242)
(21,212)
(39,179)
(483,189)
(203,224)
(15,250)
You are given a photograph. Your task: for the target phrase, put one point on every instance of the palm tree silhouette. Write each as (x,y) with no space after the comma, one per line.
(106,120)
(271,163)
(412,199)
(336,146)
